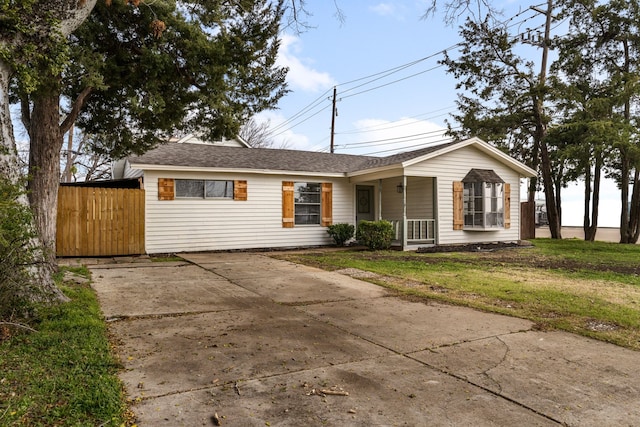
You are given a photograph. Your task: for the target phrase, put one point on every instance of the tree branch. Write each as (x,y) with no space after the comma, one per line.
(19,325)
(75,109)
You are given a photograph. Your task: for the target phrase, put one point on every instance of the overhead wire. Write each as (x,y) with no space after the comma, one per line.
(300,122)
(381,75)
(410,146)
(401,123)
(310,106)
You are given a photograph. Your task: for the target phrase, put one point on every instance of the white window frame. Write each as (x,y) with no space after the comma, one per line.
(483,205)
(299,205)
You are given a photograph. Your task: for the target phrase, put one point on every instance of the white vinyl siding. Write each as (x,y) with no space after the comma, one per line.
(419,198)
(184,225)
(454,166)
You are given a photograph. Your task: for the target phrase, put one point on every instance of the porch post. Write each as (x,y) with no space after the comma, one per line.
(436,217)
(379,200)
(404,212)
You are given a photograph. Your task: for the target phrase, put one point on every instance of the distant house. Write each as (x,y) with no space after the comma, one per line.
(224,196)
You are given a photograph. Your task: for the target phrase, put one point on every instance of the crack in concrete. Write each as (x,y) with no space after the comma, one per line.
(409,356)
(486,372)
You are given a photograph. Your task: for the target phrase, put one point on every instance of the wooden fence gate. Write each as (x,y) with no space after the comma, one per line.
(100,221)
(527,220)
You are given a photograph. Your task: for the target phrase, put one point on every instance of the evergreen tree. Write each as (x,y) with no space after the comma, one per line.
(598,72)
(137,71)
(504,101)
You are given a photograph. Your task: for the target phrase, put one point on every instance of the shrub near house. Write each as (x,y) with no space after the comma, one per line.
(375,234)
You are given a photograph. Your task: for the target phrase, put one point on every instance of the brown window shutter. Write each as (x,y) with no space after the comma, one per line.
(507,205)
(287,204)
(458,212)
(326,203)
(240,190)
(166,189)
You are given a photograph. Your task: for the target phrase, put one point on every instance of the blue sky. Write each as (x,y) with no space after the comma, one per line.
(384,113)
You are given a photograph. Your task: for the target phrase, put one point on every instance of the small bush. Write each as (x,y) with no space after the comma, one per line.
(375,234)
(15,255)
(341,233)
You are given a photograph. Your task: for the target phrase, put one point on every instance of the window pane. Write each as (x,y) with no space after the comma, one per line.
(307,214)
(189,188)
(307,203)
(307,192)
(219,189)
(477,220)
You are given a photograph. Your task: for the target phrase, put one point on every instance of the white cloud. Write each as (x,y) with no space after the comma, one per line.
(384,9)
(384,137)
(301,75)
(393,10)
(282,137)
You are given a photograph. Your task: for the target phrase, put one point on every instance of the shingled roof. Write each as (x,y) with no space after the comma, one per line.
(215,156)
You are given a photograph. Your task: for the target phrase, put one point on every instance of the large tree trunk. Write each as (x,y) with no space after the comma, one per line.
(633,229)
(547,175)
(69,14)
(41,286)
(591,204)
(44,169)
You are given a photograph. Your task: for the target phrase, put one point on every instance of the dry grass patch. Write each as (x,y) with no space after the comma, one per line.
(580,287)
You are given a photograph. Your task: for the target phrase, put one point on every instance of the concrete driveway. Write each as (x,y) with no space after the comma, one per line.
(241,339)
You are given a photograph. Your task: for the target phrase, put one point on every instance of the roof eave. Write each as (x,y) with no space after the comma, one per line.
(173,168)
(378,169)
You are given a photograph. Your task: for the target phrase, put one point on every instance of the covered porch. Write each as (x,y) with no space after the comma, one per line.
(408,202)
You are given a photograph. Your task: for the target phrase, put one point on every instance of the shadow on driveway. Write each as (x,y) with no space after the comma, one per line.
(241,339)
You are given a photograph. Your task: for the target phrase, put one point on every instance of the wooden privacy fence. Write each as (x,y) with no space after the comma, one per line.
(100,221)
(527,220)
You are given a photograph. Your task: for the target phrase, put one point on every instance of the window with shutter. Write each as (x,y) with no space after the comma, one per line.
(484,201)
(307,203)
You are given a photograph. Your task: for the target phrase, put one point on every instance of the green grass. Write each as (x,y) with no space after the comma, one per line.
(64,374)
(587,288)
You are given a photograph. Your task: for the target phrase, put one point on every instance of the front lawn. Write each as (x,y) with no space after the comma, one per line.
(64,374)
(592,289)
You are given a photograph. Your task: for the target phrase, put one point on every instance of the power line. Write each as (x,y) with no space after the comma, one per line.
(410,146)
(392,82)
(300,122)
(310,106)
(381,75)
(393,70)
(395,139)
(391,125)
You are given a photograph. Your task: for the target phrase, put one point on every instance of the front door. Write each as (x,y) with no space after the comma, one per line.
(365,210)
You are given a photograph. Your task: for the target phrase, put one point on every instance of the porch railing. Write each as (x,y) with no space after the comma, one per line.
(418,230)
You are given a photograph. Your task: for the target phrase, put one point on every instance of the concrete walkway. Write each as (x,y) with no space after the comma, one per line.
(241,339)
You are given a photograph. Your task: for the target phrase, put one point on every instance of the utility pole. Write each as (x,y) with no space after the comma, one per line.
(334,113)
(553,210)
